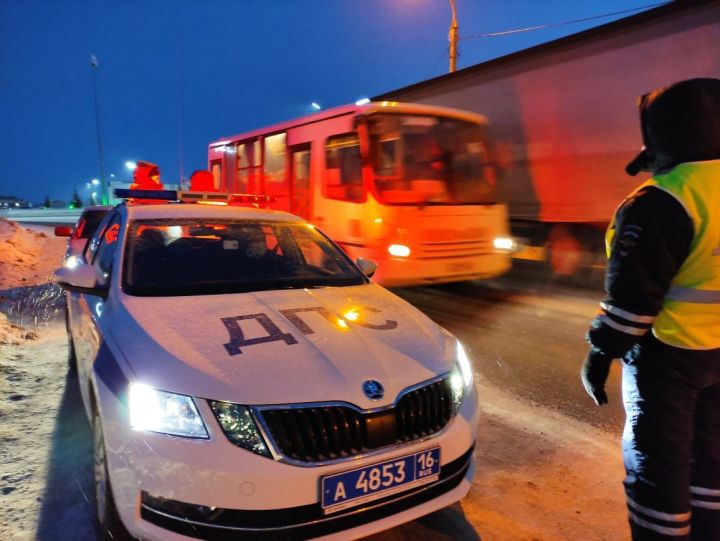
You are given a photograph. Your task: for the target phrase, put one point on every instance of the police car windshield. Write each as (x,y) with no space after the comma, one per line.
(184,256)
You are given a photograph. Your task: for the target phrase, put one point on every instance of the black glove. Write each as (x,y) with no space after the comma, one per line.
(594,374)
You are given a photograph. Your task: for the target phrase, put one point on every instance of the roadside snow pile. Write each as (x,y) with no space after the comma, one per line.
(27,257)
(11,334)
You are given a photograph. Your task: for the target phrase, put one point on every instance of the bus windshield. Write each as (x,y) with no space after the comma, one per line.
(430,160)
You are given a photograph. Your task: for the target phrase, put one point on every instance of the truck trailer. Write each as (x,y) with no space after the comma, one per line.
(565,121)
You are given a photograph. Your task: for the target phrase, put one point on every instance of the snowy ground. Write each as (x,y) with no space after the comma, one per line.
(540,476)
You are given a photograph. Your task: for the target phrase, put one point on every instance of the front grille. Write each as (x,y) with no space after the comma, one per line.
(434,250)
(424,411)
(320,433)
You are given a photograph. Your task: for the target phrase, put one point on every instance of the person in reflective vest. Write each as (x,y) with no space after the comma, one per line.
(661,315)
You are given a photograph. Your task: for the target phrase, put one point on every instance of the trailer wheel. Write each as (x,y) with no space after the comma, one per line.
(565,252)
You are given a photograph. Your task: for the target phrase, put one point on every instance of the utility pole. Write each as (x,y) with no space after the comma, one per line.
(453,37)
(94,65)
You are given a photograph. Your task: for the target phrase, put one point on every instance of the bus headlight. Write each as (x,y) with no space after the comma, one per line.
(399,250)
(504,244)
(167,413)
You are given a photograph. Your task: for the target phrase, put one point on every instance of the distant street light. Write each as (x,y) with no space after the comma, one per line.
(453,37)
(315,106)
(94,65)
(95,181)
(131,165)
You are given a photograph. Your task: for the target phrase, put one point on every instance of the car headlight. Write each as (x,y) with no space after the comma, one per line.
(239,426)
(167,413)
(461,377)
(464,364)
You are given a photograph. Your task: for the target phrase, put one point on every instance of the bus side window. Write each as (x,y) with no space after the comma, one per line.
(247,160)
(242,162)
(274,166)
(343,168)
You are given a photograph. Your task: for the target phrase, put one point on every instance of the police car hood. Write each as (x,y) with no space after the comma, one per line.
(280,347)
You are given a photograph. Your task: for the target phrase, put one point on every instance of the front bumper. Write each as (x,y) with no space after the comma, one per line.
(257,496)
(398,272)
(308,521)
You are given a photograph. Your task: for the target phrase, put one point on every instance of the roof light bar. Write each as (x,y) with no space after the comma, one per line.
(167,195)
(194,197)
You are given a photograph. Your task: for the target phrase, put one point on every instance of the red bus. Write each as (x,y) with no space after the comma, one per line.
(410,186)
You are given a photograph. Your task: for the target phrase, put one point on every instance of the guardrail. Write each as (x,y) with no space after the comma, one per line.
(48,217)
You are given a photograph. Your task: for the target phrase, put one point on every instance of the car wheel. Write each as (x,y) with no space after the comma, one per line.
(107,516)
(72,358)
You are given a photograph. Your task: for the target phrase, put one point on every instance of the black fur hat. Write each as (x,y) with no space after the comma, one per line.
(680,123)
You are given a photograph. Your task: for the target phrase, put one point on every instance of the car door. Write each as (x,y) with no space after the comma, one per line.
(87,309)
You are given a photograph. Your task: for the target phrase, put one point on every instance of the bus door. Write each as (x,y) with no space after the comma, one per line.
(300,180)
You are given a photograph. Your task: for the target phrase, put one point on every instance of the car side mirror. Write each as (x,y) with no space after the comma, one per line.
(367,266)
(81,278)
(63,231)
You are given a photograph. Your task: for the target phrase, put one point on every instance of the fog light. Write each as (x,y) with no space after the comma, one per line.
(181,509)
(399,250)
(239,426)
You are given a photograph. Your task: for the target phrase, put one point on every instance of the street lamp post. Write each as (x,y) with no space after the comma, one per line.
(94,65)
(453,37)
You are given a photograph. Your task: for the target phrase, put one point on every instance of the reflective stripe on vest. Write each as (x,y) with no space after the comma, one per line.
(688,294)
(690,315)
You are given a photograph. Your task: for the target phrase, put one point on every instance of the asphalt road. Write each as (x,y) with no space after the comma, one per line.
(526,337)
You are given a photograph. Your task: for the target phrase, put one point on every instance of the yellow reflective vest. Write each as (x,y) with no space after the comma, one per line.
(690,314)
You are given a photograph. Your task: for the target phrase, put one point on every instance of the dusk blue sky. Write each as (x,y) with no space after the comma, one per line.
(176,74)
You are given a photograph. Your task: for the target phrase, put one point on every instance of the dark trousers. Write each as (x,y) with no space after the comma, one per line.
(671,442)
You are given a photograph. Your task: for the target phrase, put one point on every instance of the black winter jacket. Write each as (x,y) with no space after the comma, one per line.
(652,240)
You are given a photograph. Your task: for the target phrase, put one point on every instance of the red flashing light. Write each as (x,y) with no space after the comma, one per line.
(80,227)
(111,234)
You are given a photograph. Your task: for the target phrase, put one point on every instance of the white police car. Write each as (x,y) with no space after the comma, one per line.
(245,379)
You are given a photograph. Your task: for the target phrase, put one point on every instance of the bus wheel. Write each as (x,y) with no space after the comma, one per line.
(565,251)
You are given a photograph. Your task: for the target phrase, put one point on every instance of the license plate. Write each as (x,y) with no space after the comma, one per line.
(355,487)
(460,266)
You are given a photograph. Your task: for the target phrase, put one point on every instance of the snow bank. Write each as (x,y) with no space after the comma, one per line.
(11,334)
(27,257)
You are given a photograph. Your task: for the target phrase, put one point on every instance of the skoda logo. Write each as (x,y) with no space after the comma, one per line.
(373,389)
